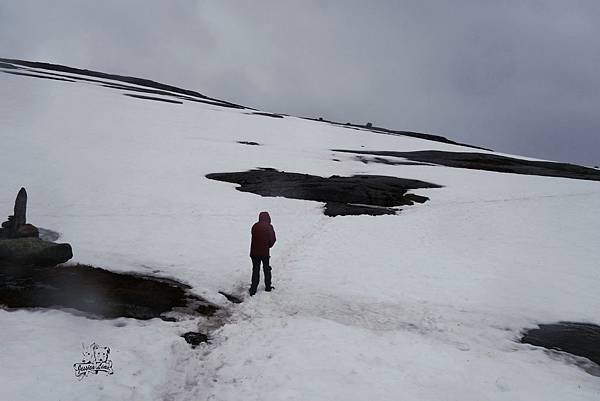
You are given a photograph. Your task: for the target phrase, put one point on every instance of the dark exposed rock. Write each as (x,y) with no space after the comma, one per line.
(206,309)
(359,193)
(194,338)
(581,339)
(364,190)
(165,93)
(34,251)
(211,102)
(8,66)
(383,160)
(15,226)
(53,255)
(333,209)
(249,143)
(491,162)
(417,198)
(130,80)
(231,298)
(138,89)
(113,85)
(9,224)
(262,113)
(98,292)
(159,99)
(74,78)
(26,74)
(27,231)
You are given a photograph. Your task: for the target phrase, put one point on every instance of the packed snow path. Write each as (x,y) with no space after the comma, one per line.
(420,332)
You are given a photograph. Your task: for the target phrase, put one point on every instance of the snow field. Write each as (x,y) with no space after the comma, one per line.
(425,305)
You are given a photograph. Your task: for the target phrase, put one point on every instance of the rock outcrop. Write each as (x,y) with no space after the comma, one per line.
(359,194)
(34,251)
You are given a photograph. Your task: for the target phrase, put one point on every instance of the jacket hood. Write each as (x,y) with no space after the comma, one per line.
(264,216)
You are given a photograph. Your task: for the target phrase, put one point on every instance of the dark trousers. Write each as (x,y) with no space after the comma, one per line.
(256,260)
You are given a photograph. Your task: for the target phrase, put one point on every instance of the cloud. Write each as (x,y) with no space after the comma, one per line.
(518,76)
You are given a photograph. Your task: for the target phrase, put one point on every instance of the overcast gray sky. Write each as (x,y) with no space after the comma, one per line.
(518,76)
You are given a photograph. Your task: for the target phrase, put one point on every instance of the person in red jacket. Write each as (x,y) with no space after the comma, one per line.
(263,239)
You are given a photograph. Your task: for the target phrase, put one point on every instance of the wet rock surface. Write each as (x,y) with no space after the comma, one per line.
(158,99)
(491,162)
(34,251)
(361,190)
(97,292)
(333,209)
(580,339)
(262,113)
(194,339)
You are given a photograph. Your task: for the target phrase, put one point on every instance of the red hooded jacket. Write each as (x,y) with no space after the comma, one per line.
(263,236)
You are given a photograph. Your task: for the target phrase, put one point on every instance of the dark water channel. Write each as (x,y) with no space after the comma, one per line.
(97,292)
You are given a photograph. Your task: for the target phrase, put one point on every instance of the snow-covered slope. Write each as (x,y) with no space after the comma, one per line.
(424,305)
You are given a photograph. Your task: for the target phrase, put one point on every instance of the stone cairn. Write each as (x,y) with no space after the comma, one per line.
(20,243)
(16,226)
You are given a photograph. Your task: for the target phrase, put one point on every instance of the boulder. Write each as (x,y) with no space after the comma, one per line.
(20,208)
(34,251)
(27,231)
